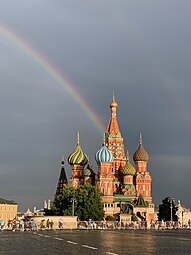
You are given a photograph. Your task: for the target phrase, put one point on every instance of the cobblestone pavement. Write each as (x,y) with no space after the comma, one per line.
(96,242)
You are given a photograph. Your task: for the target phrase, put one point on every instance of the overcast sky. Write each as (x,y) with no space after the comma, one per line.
(140,49)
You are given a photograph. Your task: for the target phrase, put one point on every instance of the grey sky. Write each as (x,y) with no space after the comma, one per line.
(140,49)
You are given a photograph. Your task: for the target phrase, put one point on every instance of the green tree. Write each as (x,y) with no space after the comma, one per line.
(165,209)
(87,202)
(62,204)
(5,201)
(110,218)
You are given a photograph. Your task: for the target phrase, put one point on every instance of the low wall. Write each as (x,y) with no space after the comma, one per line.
(69,222)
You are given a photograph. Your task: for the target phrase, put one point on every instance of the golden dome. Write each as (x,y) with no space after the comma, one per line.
(113,103)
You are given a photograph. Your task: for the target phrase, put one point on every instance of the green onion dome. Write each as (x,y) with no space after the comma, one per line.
(128,169)
(140,154)
(78,157)
(104,155)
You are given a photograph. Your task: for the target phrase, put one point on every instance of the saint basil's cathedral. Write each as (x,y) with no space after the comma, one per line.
(126,189)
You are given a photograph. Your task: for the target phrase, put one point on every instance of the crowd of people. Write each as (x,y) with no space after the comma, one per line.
(30,225)
(47,224)
(153,225)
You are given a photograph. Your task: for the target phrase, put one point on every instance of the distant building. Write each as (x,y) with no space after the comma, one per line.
(38,212)
(8,210)
(184,214)
(28,213)
(126,189)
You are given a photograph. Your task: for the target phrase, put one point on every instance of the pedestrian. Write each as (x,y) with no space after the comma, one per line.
(22,225)
(189,223)
(51,224)
(34,227)
(30,225)
(89,223)
(2,224)
(94,225)
(60,224)
(43,224)
(14,225)
(104,223)
(47,224)
(9,225)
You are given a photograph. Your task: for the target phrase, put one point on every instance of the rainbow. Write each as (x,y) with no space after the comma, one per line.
(52,71)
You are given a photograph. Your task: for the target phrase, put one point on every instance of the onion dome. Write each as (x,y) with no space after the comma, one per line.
(140,154)
(104,155)
(78,157)
(128,169)
(113,103)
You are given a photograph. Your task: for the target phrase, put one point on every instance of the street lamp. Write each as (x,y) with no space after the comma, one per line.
(182,219)
(120,215)
(171,210)
(73,203)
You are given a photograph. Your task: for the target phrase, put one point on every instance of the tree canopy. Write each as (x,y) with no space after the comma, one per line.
(165,208)
(87,202)
(5,201)
(62,204)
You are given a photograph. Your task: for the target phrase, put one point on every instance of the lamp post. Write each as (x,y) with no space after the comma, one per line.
(73,203)
(120,216)
(171,210)
(182,219)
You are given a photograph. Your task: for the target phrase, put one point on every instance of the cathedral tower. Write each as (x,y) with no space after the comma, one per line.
(114,142)
(62,179)
(114,139)
(128,172)
(105,174)
(143,178)
(77,160)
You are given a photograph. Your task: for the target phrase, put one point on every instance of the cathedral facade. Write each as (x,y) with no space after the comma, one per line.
(126,189)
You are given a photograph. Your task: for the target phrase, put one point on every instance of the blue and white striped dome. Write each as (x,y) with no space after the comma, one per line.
(104,155)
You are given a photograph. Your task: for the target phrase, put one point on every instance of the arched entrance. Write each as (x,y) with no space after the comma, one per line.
(126,208)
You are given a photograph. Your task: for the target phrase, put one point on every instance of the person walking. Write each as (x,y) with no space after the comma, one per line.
(51,224)
(22,225)
(34,227)
(48,224)
(43,224)
(60,223)
(89,223)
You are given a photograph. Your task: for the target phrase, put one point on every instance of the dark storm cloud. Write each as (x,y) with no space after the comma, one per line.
(140,49)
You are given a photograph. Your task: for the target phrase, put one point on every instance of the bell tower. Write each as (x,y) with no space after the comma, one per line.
(114,139)
(62,179)
(143,178)
(77,160)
